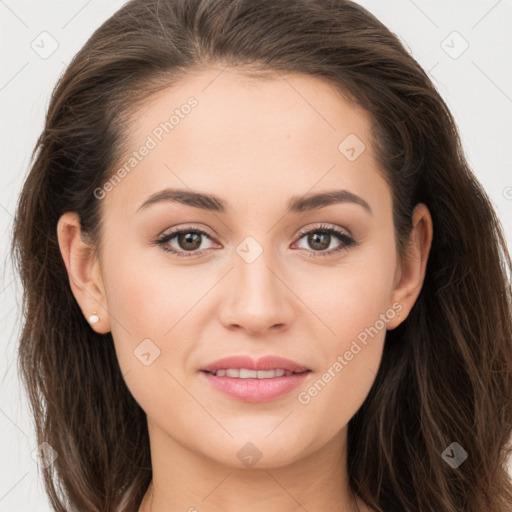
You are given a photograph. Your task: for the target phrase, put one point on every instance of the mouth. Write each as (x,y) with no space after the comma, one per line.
(245,379)
(245,373)
(248,364)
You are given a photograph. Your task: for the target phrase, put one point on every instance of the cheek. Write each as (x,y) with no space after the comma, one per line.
(144,304)
(147,299)
(354,304)
(334,397)
(352,297)
(352,358)
(153,310)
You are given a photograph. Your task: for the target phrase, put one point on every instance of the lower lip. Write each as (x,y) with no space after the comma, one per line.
(256,390)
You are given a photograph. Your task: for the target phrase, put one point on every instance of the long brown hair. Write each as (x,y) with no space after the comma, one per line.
(446,371)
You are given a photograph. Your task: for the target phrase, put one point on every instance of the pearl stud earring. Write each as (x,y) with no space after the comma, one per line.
(94,318)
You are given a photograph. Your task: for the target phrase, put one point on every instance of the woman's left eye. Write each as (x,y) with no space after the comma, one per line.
(322,236)
(189,240)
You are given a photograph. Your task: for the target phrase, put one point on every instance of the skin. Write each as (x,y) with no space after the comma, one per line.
(255,143)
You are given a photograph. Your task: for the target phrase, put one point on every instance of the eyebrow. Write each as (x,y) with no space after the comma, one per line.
(213,203)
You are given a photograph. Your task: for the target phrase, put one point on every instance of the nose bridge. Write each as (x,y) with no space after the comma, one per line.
(256,298)
(256,285)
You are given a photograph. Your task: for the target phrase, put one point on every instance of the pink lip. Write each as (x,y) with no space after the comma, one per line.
(255,390)
(263,363)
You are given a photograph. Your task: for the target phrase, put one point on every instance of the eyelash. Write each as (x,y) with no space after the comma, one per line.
(347,241)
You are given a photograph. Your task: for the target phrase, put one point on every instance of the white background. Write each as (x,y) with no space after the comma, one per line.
(477,86)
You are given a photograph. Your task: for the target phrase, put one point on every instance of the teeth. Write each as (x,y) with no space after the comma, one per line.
(244,373)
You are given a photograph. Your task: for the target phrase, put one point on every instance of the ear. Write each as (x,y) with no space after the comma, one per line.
(410,273)
(83,270)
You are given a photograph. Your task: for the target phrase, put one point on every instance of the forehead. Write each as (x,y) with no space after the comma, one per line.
(242,105)
(246,137)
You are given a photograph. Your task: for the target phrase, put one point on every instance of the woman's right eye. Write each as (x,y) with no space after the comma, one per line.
(188,240)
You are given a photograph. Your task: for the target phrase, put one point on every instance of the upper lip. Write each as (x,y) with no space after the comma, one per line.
(263,363)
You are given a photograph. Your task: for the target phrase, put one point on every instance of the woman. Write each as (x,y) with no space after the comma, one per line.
(339,337)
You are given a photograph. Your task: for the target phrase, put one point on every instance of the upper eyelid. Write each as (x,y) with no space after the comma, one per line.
(321,227)
(176,231)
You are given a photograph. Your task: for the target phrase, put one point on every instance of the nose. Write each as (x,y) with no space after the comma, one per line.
(257,298)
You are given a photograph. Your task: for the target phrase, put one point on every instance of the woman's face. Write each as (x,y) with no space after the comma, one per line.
(256,284)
